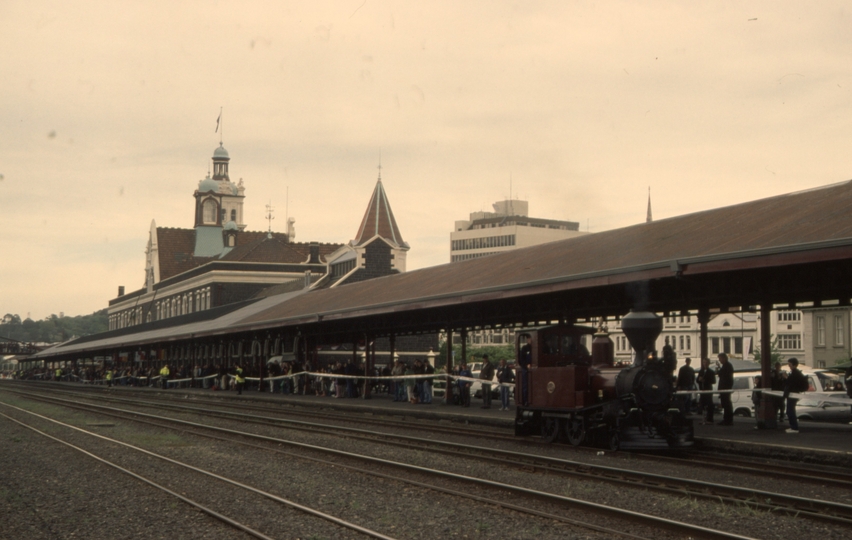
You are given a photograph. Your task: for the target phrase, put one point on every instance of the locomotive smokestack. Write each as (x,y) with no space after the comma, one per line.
(641,329)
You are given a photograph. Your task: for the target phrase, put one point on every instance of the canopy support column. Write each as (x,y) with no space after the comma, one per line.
(448,392)
(766,412)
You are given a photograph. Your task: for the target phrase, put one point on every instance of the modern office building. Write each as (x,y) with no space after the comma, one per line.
(508,227)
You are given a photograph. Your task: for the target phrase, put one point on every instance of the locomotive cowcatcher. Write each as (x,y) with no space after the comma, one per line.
(585,399)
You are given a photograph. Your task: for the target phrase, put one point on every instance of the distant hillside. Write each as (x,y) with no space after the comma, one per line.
(53,329)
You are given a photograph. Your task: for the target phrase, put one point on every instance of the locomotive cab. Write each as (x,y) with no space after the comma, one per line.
(559,371)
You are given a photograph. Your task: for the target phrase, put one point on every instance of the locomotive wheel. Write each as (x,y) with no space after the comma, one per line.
(550,429)
(614,440)
(576,431)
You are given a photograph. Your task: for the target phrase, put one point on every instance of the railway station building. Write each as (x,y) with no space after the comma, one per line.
(219,265)
(218,261)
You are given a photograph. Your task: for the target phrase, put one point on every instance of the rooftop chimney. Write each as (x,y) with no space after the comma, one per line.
(121,290)
(314,253)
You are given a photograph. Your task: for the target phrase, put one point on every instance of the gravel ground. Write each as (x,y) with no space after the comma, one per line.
(403,511)
(395,509)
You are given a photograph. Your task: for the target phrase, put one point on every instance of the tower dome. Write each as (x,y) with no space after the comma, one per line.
(220,152)
(220,163)
(208,184)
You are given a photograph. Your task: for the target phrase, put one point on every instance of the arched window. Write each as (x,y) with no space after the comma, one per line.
(209,211)
(234,215)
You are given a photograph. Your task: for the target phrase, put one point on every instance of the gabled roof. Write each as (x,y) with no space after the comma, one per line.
(379,221)
(176,251)
(257,246)
(176,247)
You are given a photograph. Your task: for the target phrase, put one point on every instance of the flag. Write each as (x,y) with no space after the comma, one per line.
(217,122)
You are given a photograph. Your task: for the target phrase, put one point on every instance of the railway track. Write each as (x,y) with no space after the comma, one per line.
(834,476)
(627,516)
(292,409)
(191,502)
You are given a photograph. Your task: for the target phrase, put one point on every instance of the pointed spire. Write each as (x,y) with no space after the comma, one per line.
(649,219)
(378,219)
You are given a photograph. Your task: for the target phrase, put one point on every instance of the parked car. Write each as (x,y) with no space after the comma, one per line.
(822,411)
(741,396)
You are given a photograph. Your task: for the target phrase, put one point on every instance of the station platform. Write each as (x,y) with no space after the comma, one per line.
(819,443)
(816,443)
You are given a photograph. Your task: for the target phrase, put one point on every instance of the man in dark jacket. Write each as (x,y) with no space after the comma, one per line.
(685,383)
(464,386)
(796,382)
(706,379)
(485,375)
(505,375)
(524,363)
(777,383)
(726,382)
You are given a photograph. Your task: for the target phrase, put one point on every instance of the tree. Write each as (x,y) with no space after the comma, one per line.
(53,329)
(774,354)
(495,354)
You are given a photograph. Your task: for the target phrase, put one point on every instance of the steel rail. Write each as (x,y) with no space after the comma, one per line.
(798,506)
(838,478)
(272,496)
(300,412)
(789,504)
(338,464)
(654,521)
(210,512)
(803,474)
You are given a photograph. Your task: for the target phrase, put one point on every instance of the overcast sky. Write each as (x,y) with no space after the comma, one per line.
(108,111)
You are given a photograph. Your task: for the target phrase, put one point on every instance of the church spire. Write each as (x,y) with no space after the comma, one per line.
(648,218)
(378,219)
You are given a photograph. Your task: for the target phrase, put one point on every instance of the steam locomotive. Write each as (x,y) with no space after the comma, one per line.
(584,398)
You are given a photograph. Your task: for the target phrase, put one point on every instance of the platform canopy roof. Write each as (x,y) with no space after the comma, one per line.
(785,251)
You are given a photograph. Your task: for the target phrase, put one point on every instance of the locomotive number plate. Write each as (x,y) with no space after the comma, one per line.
(551,387)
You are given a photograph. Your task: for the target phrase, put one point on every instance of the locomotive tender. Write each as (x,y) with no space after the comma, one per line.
(585,399)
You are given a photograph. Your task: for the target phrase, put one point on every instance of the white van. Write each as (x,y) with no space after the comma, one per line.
(819,381)
(741,395)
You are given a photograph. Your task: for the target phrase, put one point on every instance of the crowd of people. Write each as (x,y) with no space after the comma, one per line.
(786,382)
(413,382)
(410,381)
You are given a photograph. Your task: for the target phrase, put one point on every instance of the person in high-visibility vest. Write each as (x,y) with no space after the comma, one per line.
(164,376)
(241,381)
(109,377)
(58,374)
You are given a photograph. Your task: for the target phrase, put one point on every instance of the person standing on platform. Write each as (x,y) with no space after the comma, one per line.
(109,378)
(464,386)
(777,383)
(398,384)
(525,362)
(418,385)
(410,384)
(164,376)
(239,379)
(706,379)
(685,383)
(486,375)
(726,382)
(427,383)
(505,376)
(796,383)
